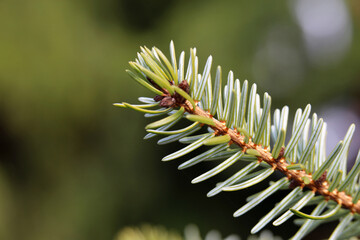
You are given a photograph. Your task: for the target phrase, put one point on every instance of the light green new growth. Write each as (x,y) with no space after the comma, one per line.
(240,128)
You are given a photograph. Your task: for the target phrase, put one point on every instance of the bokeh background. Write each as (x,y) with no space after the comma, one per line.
(72,166)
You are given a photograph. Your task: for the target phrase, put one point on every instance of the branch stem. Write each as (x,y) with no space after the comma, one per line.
(296,177)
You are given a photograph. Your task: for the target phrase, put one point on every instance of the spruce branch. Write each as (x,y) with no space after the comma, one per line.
(234,116)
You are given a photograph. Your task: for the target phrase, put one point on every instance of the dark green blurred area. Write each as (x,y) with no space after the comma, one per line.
(72,166)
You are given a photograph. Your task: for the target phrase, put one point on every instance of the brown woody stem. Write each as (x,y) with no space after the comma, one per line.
(296,177)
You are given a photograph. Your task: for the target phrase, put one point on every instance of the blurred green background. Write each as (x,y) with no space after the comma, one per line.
(72,166)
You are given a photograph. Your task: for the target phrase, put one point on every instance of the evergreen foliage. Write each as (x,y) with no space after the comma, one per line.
(241,127)
(191,232)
